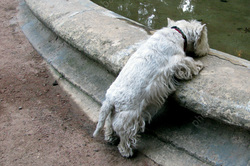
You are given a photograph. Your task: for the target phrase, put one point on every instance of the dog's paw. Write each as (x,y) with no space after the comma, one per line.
(125,151)
(112,140)
(198,67)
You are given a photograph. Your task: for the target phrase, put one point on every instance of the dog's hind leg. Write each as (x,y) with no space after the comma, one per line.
(127,125)
(124,146)
(106,109)
(110,135)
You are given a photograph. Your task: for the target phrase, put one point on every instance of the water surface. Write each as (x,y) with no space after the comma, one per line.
(228,21)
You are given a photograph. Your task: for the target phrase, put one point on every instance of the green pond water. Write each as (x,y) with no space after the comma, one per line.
(228,21)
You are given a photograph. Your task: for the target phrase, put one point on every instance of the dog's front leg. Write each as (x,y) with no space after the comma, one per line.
(185,67)
(195,66)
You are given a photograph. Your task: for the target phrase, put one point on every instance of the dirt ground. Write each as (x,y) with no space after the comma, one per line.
(39,124)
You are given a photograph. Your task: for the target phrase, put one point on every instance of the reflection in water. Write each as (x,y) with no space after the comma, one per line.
(146,16)
(228,22)
(186,6)
(150,20)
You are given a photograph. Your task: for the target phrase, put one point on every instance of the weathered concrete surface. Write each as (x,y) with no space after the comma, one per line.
(221,91)
(178,137)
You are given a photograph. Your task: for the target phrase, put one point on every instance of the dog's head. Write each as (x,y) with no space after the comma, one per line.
(196,34)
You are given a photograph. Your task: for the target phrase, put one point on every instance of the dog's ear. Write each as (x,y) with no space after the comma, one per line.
(170,22)
(201,44)
(202,28)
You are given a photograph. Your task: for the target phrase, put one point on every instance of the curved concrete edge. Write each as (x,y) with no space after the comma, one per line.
(221,91)
(101,34)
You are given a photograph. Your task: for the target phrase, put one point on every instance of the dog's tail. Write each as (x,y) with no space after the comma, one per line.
(104,112)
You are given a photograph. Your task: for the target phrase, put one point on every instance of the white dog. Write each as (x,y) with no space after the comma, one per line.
(147,80)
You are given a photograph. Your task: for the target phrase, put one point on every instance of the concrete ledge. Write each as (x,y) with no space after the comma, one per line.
(221,91)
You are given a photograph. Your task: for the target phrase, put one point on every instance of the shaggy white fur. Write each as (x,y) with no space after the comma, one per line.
(147,80)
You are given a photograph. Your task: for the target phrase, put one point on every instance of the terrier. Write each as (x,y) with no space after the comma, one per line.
(148,78)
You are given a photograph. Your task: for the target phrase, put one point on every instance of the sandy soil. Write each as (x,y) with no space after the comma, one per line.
(39,124)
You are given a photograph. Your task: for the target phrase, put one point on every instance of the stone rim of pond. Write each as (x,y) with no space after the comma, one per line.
(220,92)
